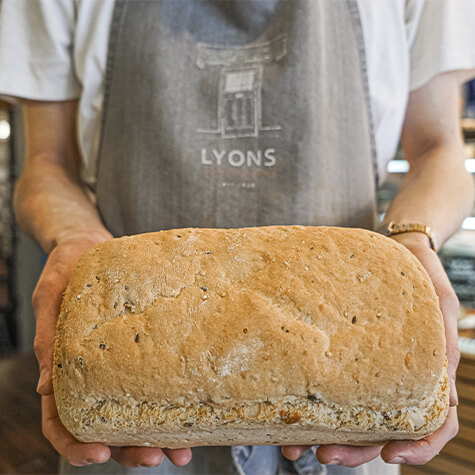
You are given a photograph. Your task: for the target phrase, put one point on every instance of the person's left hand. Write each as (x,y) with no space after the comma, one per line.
(421,451)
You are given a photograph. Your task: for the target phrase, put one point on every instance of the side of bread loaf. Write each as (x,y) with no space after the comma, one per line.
(266,335)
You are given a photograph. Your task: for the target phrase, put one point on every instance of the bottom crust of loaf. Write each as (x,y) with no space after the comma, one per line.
(278,434)
(288,421)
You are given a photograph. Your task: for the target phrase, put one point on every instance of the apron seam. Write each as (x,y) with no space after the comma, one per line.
(359,37)
(116,26)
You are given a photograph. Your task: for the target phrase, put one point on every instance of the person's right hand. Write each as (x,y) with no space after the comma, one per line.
(47,298)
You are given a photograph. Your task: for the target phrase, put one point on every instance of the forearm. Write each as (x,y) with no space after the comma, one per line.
(52,207)
(437,191)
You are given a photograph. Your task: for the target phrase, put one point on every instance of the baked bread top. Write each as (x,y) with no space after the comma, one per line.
(341,315)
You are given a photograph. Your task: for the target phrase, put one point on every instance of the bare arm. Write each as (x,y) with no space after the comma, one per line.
(51,203)
(437,190)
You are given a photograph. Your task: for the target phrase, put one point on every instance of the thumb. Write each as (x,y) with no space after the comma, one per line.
(449,306)
(46,304)
(46,301)
(45,382)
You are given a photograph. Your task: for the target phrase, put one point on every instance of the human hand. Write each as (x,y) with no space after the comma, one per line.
(46,300)
(421,451)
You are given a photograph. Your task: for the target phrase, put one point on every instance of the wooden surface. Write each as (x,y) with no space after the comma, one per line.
(23,449)
(458,456)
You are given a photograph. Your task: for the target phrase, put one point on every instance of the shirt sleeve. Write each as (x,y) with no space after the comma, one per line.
(36,49)
(442,38)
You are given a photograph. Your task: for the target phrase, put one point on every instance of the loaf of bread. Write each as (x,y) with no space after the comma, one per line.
(267,335)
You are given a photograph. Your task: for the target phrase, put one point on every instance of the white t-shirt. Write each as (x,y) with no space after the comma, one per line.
(57,49)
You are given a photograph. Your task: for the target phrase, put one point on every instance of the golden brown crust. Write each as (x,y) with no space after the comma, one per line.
(345,317)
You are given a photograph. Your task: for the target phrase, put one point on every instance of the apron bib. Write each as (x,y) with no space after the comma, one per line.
(224,113)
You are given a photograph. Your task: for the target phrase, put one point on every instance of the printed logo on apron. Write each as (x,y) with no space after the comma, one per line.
(238,113)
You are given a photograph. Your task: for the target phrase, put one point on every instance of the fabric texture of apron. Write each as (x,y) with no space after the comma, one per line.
(225,113)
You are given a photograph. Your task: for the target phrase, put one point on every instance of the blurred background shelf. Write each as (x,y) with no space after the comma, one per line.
(468,127)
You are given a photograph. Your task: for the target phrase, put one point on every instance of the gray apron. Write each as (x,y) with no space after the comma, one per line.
(235,113)
(225,113)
